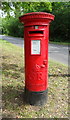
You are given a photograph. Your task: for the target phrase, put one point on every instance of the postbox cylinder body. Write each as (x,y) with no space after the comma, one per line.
(36,36)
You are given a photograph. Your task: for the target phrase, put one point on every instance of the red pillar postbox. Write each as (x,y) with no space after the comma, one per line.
(36,36)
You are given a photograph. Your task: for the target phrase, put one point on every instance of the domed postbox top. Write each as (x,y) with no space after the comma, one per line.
(36,18)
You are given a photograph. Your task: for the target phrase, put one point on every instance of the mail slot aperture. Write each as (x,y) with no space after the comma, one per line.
(35,32)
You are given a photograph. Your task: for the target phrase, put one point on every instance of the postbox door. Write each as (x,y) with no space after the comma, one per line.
(36,59)
(39,57)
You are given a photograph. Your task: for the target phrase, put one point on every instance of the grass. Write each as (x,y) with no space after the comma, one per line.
(13,82)
(59,43)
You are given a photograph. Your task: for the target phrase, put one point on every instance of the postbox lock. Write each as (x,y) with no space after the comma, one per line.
(36,26)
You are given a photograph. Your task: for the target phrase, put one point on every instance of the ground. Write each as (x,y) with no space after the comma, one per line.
(13,82)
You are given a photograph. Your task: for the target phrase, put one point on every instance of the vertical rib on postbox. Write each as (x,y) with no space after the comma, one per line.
(36,36)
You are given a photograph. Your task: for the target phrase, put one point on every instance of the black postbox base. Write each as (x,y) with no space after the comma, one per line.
(36,98)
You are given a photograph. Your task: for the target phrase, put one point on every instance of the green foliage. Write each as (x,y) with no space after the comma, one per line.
(11,24)
(1,27)
(37,7)
(60,26)
(12,27)
(20,8)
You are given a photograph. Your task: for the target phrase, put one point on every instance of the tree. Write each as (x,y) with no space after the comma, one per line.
(61,25)
(20,8)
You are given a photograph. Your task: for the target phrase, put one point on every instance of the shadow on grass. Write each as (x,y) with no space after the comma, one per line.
(12,99)
(5,57)
(8,117)
(13,95)
(59,75)
(12,67)
(13,70)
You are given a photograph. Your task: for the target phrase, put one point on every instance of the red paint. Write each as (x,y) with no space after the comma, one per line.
(36,65)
